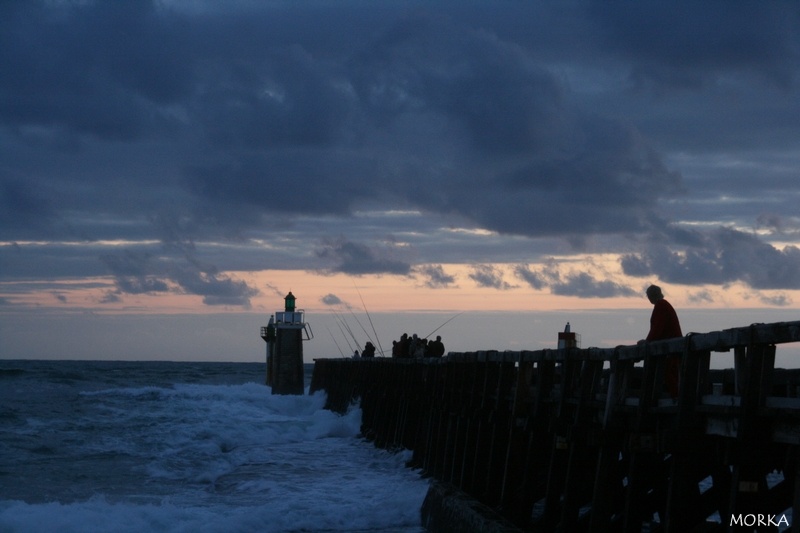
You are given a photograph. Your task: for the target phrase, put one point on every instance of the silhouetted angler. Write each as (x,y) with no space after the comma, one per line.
(664,324)
(436,348)
(369,350)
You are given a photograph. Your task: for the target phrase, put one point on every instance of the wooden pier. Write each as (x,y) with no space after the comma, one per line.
(587,439)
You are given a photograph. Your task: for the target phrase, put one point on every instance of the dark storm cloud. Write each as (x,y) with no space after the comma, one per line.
(174,267)
(771,222)
(62,298)
(382,104)
(110,297)
(26,211)
(215,288)
(97,69)
(779,300)
(183,123)
(518,151)
(435,276)
(688,43)
(287,98)
(703,297)
(331,299)
(580,284)
(489,276)
(290,129)
(721,256)
(309,182)
(705,78)
(143,273)
(358,259)
(536,280)
(132,272)
(584,285)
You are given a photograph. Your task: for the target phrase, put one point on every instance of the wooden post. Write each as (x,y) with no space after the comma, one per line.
(582,460)
(748,479)
(643,461)
(608,495)
(540,436)
(683,507)
(512,496)
(470,415)
(500,421)
(559,453)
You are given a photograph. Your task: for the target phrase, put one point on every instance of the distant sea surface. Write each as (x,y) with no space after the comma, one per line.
(108,447)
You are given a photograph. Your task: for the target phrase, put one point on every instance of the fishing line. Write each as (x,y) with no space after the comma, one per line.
(360,324)
(445,323)
(334,341)
(339,322)
(378,340)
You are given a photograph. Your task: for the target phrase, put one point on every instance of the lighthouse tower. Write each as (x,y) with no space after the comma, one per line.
(568,339)
(284,335)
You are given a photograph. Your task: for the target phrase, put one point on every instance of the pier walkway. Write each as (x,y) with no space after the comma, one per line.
(587,439)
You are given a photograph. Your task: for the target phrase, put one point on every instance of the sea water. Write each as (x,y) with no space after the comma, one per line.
(187,447)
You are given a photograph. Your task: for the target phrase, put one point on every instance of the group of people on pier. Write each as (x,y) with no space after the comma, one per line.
(414,347)
(408,347)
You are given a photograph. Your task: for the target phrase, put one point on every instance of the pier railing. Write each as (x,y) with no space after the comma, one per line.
(588,439)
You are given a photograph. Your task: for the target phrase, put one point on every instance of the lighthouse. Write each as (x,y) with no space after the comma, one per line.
(568,339)
(284,335)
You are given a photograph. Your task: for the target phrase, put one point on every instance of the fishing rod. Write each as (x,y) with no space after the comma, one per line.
(340,322)
(350,331)
(443,325)
(377,339)
(360,324)
(334,341)
(339,325)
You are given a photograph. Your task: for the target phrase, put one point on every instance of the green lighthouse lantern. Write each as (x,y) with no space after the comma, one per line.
(290,299)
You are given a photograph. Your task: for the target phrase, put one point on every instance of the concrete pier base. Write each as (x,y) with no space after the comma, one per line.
(447,509)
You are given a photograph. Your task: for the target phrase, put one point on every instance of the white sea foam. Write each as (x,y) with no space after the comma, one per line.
(194,457)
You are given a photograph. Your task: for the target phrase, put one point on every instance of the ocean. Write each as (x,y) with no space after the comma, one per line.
(90,446)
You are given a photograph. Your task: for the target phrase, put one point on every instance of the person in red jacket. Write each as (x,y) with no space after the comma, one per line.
(664,324)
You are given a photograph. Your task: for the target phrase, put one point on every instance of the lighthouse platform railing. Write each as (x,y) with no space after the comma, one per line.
(289,317)
(294,320)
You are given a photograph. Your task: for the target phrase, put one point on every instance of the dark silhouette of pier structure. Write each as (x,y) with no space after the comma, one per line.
(586,439)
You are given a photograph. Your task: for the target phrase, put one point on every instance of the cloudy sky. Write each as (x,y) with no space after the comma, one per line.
(170,169)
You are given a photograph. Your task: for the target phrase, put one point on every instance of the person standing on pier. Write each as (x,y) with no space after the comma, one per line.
(369,350)
(664,324)
(436,348)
